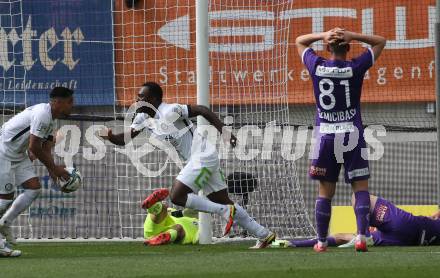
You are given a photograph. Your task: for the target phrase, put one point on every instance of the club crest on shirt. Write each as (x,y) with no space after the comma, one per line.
(8,186)
(178,109)
(41,127)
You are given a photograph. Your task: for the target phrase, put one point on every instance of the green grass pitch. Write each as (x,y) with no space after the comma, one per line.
(222,260)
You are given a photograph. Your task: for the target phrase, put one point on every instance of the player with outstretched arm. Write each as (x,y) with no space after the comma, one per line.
(28,133)
(171,125)
(391,225)
(337,84)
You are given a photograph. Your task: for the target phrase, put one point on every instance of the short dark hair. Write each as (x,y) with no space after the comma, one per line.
(154,88)
(338,48)
(61,92)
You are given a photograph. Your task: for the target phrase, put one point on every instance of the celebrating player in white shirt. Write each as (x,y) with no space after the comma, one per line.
(28,133)
(171,125)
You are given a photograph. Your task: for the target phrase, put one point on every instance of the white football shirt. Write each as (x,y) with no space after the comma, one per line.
(15,133)
(172,124)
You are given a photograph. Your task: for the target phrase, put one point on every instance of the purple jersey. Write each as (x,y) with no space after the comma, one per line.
(337,88)
(398,227)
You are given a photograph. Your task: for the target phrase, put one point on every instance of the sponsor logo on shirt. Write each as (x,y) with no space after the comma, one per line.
(358,173)
(326,128)
(334,72)
(317,171)
(380,213)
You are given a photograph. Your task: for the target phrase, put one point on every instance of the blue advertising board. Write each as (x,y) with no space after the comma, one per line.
(49,43)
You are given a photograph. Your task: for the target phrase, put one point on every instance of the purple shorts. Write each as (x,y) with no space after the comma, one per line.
(326,167)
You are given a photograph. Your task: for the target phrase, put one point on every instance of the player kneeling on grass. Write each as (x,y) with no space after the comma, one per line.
(29,132)
(170,125)
(165,225)
(337,86)
(391,227)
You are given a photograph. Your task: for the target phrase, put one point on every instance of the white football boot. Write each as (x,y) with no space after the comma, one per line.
(6,251)
(264,242)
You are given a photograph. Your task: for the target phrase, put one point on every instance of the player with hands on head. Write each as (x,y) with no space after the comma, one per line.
(337,84)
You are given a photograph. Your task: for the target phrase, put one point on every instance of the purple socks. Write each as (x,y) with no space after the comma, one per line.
(362,211)
(311,242)
(323,210)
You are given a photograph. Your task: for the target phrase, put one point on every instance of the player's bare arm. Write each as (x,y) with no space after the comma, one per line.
(200,110)
(376,42)
(47,147)
(304,41)
(45,156)
(117,139)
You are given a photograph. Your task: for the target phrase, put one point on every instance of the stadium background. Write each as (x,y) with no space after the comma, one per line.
(132,49)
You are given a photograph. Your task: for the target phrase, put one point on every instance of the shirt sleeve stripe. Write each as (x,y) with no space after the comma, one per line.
(372,55)
(23,131)
(302,55)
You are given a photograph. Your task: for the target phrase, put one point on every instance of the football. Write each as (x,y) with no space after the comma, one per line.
(73,183)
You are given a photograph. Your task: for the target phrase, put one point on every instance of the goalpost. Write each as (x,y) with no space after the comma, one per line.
(202,65)
(437,90)
(291,220)
(240,60)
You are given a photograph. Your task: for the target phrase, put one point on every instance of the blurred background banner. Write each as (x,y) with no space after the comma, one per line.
(405,73)
(56,43)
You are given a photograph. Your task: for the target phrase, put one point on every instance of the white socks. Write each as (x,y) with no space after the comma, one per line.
(242,218)
(22,202)
(4,205)
(245,221)
(199,203)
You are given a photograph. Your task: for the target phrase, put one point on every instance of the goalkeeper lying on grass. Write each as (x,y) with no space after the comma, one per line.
(165,225)
(391,227)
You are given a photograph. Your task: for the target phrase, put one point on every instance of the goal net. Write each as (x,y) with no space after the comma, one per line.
(105,51)
(243,35)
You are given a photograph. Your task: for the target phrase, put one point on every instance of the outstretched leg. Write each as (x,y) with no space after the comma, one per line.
(241,216)
(331,241)
(182,195)
(244,220)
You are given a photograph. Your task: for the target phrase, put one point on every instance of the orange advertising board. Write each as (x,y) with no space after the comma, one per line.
(248,46)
